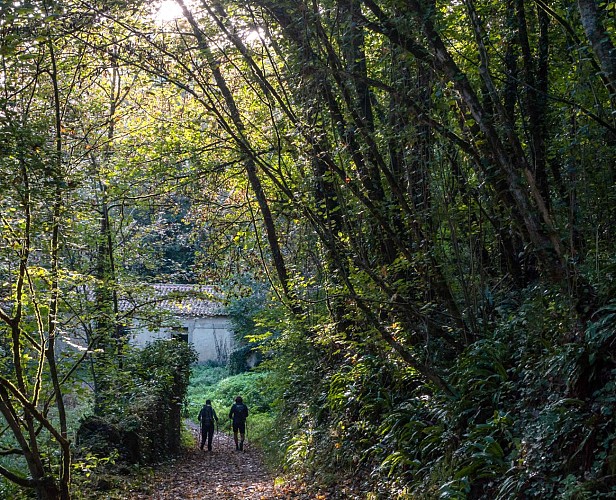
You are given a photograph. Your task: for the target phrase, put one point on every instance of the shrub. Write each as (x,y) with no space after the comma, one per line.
(210,383)
(145,425)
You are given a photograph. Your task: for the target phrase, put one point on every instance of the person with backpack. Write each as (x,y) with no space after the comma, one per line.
(239,413)
(207,417)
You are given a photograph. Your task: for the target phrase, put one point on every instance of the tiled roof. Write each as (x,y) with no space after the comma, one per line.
(177,299)
(189,300)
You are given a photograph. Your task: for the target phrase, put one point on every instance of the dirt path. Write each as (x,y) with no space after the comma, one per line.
(220,474)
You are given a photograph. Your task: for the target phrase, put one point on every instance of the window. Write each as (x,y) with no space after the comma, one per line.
(180,333)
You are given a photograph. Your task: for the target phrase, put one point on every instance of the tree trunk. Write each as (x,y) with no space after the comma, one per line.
(599,39)
(249,162)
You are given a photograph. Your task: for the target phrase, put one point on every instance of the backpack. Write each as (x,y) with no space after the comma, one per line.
(241,412)
(207,417)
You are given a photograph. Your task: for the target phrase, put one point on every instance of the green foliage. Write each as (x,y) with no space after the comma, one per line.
(216,384)
(143,423)
(248,300)
(223,392)
(428,188)
(521,421)
(205,375)
(88,469)
(168,239)
(10,490)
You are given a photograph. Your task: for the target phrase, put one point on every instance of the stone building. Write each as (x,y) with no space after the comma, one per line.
(193,313)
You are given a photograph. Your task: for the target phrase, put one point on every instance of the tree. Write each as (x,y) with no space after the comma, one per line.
(36,188)
(424,152)
(408,177)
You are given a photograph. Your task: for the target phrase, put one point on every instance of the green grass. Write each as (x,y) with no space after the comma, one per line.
(207,375)
(216,384)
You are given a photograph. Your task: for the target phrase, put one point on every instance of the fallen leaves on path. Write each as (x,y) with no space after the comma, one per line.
(221,474)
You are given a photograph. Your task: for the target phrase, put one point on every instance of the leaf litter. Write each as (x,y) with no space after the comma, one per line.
(222,473)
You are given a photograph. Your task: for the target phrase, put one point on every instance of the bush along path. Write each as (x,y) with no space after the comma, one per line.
(222,473)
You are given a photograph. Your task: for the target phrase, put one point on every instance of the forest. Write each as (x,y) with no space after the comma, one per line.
(409,206)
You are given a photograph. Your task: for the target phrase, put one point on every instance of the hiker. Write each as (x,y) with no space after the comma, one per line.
(207,416)
(238,413)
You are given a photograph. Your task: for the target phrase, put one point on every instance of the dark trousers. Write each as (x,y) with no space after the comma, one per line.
(207,431)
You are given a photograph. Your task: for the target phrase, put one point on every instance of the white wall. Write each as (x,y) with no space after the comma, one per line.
(211,337)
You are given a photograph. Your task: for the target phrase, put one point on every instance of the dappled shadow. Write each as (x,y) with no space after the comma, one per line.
(221,473)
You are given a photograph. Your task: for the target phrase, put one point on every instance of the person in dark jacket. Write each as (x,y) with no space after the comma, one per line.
(239,413)
(207,417)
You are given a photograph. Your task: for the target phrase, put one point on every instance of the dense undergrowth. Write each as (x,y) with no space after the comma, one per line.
(529,412)
(217,384)
(141,423)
